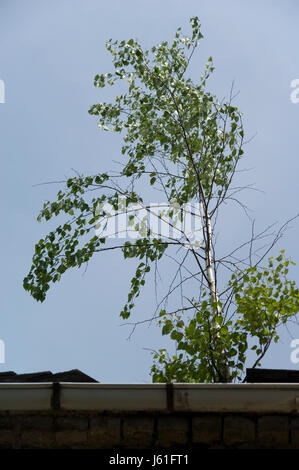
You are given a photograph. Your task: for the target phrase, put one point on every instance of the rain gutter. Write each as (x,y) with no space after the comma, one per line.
(211,398)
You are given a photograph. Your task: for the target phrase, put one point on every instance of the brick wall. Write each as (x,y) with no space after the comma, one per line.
(66,429)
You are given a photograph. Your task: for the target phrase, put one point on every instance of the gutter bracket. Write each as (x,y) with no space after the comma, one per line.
(55,401)
(169,397)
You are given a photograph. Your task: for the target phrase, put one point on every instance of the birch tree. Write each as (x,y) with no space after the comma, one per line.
(179,139)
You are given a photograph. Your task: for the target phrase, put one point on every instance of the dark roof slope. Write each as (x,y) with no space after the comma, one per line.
(73,375)
(272,376)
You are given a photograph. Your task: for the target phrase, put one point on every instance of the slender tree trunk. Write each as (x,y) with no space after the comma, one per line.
(223,369)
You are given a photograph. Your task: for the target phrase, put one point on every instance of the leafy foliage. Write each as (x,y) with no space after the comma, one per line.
(264,299)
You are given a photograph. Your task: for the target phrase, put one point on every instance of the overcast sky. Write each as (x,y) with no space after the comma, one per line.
(49,54)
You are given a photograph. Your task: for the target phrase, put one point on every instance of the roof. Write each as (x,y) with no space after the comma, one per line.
(74,375)
(272,376)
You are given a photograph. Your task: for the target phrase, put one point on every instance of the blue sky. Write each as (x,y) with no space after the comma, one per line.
(49,54)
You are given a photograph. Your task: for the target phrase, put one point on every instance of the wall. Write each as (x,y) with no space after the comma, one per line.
(76,429)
